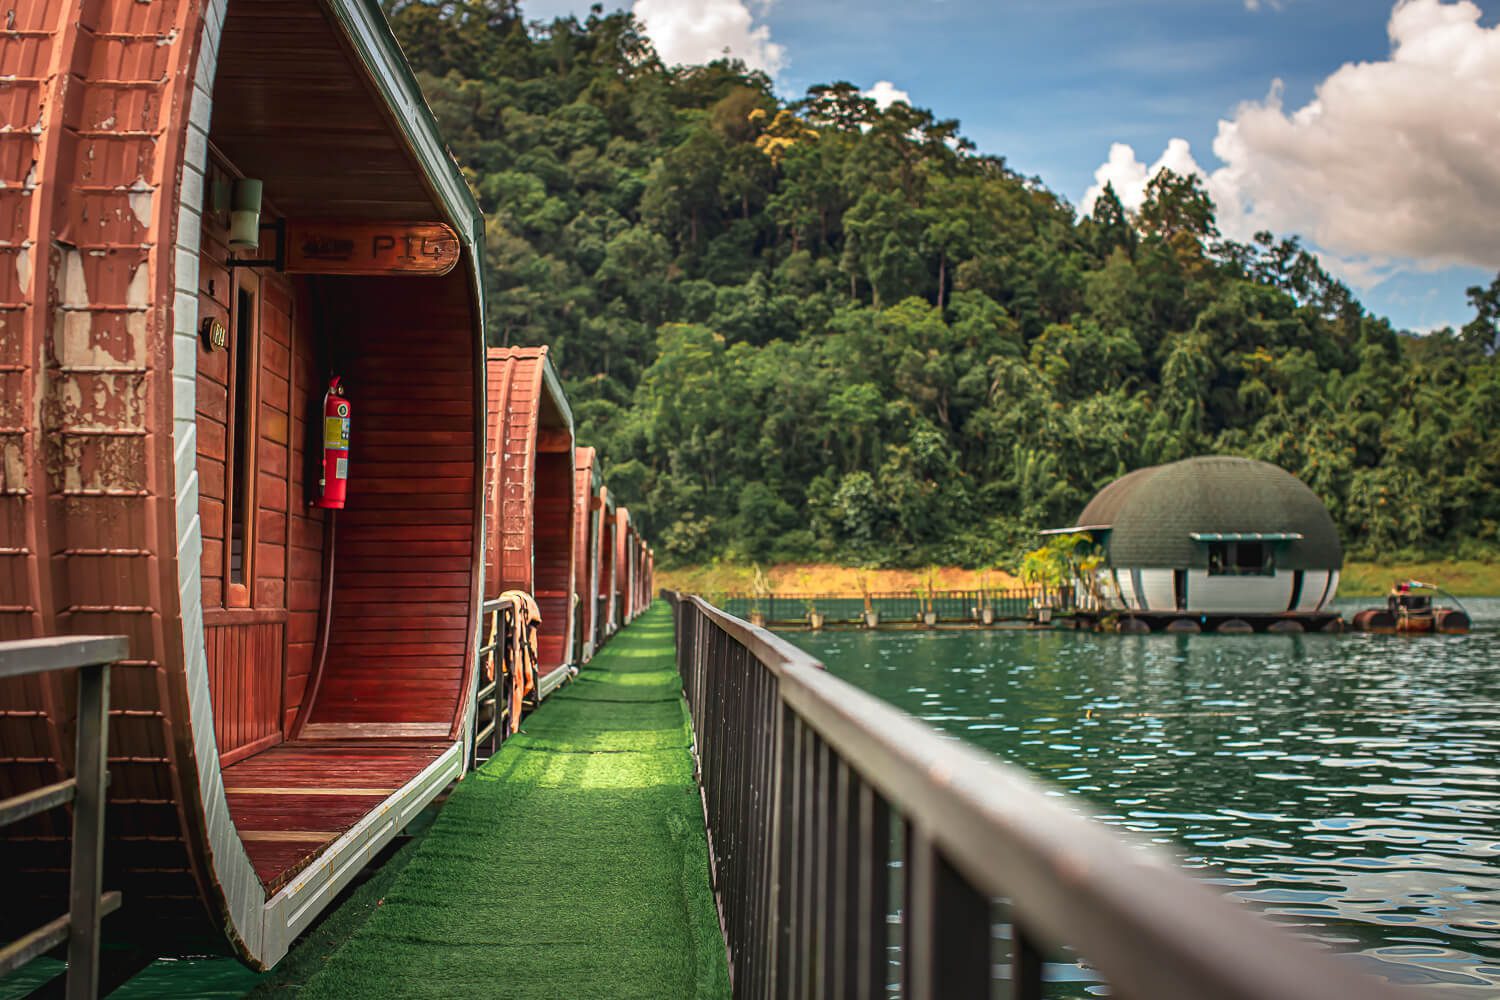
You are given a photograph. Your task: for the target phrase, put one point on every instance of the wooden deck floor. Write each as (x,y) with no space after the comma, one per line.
(293,800)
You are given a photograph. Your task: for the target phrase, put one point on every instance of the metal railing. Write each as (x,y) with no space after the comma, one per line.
(87,904)
(908,606)
(492,703)
(829,810)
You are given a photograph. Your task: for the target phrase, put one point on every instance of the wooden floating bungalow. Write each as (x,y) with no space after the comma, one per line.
(529,498)
(650,575)
(607,597)
(175,299)
(243,423)
(1211,544)
(587,518)
(625,565)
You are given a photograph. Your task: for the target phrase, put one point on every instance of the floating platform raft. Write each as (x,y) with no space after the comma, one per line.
(1222,624)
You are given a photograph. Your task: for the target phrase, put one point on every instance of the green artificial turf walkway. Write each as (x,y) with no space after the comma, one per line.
(573,864)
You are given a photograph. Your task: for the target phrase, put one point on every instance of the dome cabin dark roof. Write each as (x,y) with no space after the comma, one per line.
(1153,513)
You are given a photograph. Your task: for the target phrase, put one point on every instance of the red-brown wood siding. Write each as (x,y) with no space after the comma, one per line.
(622,565)
(606,596)
(554,556)
(91,212)
(529,496)
(244,681)
(88,205)
(240,688)
(305,524)
(404,544)
(585,547)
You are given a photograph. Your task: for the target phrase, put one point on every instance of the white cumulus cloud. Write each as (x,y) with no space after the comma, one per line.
(885,93)
(699,31)
(1396,160)
(1130,176)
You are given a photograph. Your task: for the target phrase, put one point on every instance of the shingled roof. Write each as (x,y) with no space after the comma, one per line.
(1153,512)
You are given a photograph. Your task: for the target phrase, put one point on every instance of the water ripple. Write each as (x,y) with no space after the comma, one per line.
(1347,786)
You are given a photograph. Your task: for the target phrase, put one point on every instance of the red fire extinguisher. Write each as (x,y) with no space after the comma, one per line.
(333,479)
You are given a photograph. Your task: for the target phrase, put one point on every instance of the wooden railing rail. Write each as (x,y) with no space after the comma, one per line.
(87,903)
(812,789)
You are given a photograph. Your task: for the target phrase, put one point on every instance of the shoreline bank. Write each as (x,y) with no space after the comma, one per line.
(1462,577)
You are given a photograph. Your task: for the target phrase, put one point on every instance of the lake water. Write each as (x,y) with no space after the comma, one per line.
(1347,785)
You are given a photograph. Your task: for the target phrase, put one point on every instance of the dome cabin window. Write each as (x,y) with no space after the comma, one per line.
(1241,559)
(242,409)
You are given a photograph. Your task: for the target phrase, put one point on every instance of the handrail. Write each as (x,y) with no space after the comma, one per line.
(802,775)
(495,625)
(87,904)
(916,605)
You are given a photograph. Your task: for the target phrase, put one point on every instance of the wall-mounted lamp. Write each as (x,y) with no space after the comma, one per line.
(244,198)
(244,214)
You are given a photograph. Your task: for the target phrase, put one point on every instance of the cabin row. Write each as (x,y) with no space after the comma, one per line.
(554,529)
(248,420)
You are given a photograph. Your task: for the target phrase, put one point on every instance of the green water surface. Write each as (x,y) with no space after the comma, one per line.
(1345,785)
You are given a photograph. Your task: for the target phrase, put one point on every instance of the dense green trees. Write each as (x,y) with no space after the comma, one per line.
(827,330)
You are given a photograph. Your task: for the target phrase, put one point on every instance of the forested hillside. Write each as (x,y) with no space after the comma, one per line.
(819,330)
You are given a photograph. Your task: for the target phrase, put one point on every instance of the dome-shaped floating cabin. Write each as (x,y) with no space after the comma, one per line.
(212,207)
(1214,541)
(587,518)
(529,497)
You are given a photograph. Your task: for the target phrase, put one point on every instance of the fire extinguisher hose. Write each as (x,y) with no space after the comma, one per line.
(325,623)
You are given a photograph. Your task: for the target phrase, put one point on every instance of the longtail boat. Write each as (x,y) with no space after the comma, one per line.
(1410,610)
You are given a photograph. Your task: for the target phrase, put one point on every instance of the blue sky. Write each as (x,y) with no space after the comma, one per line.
(1053,84)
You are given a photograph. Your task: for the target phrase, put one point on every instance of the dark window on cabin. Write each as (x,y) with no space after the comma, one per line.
(242,458)
(1241,559)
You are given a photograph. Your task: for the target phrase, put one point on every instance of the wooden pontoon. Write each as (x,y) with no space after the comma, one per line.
(605,598)
(298,681)
(586,524)
(529,498)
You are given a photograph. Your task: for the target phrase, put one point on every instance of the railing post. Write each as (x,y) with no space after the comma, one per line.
(1025,965)
(947,926)
(87,882)
(874,888)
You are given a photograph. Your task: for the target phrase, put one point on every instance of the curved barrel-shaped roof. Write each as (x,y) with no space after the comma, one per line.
(1153,513)
(529,493)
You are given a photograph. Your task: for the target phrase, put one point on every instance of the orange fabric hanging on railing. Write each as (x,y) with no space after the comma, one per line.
(522,654)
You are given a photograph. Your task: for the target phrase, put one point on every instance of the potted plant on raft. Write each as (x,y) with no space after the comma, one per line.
(929,608)
(1054,566)
(986,610)
(815,617)
(872,617)
(761,588)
